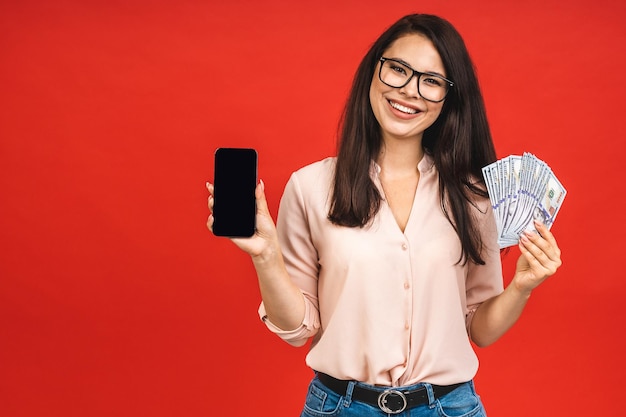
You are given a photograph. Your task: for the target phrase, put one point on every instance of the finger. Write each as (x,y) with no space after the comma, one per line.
(524,247)
(544,241)
(546,234)
(209,223)
(209,187)
(538,257)
(261,201)
(535,266)
(532,243)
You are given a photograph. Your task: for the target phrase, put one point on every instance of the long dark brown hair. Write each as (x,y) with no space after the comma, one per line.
(459,141)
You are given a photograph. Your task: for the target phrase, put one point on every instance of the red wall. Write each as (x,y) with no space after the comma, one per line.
(114,298)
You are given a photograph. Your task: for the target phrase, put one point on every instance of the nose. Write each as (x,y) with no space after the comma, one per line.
(411,88)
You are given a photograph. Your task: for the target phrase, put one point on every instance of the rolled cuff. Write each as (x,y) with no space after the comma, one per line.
(296,337)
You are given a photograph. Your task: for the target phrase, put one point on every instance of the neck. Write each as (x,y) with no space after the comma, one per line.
(400,156)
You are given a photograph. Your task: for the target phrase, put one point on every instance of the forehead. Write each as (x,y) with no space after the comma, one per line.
(417,51)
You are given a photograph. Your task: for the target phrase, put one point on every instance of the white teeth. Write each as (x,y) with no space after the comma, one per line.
(402,108)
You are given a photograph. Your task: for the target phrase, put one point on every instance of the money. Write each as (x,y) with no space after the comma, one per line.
(522,189)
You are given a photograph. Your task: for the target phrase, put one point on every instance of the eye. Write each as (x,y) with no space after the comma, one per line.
(397,68)
(433,81)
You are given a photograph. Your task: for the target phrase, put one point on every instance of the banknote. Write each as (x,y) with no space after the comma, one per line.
(522,189)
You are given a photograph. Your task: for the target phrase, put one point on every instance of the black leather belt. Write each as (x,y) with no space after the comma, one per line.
(391,400)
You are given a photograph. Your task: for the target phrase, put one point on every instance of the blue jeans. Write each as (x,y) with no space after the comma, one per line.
(323,402)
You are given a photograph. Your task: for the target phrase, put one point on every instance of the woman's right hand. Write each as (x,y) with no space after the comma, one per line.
(283,300)
(265,238)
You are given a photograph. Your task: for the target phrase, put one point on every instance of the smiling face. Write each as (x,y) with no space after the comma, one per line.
(401,112)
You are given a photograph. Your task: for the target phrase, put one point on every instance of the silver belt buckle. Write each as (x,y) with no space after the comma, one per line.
(382,401)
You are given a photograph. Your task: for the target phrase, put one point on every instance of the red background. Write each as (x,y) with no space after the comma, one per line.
(114,298)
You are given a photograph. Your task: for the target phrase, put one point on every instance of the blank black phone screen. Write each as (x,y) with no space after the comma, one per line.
(234,207)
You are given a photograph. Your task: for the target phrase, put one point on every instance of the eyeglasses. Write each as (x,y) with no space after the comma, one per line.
(431,87)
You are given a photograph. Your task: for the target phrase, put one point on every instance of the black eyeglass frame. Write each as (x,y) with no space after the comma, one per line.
(419,74)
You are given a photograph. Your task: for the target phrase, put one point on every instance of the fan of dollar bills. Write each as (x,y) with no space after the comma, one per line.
(522,189)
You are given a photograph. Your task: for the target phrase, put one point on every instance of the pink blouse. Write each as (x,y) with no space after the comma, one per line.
(384,307)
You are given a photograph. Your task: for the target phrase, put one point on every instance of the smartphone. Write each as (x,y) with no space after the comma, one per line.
(234,181)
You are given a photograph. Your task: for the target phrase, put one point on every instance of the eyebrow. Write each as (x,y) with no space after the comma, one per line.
(403,62)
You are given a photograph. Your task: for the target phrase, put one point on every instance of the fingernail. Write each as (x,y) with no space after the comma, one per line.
(262,185)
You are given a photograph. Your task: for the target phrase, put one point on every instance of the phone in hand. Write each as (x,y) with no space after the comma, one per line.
(234,181)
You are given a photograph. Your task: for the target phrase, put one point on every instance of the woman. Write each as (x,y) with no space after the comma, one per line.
(387,255)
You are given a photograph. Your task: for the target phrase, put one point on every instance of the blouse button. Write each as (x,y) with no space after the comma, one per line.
(407,286)
(404,246)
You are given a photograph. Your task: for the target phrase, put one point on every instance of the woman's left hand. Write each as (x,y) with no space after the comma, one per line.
(540,258)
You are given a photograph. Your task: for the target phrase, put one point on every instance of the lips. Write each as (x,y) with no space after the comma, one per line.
(402,108)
